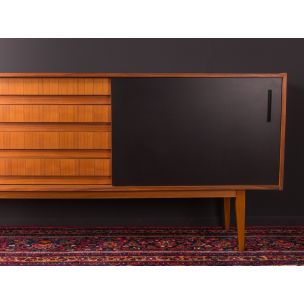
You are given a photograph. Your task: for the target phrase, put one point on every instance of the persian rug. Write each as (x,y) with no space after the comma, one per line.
(268,245)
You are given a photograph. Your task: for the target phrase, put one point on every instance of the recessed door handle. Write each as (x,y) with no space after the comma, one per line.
(269,105)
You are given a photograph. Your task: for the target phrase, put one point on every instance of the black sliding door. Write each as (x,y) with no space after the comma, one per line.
(196,131)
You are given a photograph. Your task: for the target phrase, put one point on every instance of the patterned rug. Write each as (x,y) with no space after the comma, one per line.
(149,246)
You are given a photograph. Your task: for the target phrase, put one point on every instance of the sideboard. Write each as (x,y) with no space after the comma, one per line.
(144,135)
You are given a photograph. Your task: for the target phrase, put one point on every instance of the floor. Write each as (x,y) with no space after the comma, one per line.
(267,245)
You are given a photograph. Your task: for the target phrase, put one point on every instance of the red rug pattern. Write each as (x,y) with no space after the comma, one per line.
(150,246)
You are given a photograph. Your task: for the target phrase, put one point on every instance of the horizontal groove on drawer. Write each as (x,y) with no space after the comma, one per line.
(54,100)
(58,127)
(55,140)
(56,154)
(55,113)
(55,86)
(50,180)
(55,167)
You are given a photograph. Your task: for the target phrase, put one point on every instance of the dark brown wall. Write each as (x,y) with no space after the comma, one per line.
(167,55)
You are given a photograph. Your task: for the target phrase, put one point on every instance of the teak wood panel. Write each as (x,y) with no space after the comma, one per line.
(62,100)
(55,167)
(28,192)
(55,127)
(55,113)
(55,86)
(106,191)
(57,180)
(55,140)
(56,154)
(282,131)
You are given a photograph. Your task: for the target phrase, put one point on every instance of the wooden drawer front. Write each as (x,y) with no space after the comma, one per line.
(55,100)
(56,154)
(55,167)
(51,167)
(55,113)
(55,86)
(55,140)
(55,180)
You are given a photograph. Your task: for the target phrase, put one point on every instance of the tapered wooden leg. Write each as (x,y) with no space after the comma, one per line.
(240,218)
(227,213)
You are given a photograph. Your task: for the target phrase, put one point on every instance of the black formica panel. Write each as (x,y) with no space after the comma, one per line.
(195,131)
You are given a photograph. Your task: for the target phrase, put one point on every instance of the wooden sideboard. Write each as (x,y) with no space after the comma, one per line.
(126,135)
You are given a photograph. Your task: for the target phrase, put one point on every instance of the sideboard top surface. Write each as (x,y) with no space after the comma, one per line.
(127,75)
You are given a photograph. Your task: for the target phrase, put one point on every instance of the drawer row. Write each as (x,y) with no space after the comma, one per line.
(55,140)
(55,86)
(55,167)
(55,113)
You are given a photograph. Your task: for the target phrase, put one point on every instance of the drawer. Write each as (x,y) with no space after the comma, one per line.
(59,154)
(55,140)
(55,86)
(55,113)
(55,180)
(55,167)
(54,100)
